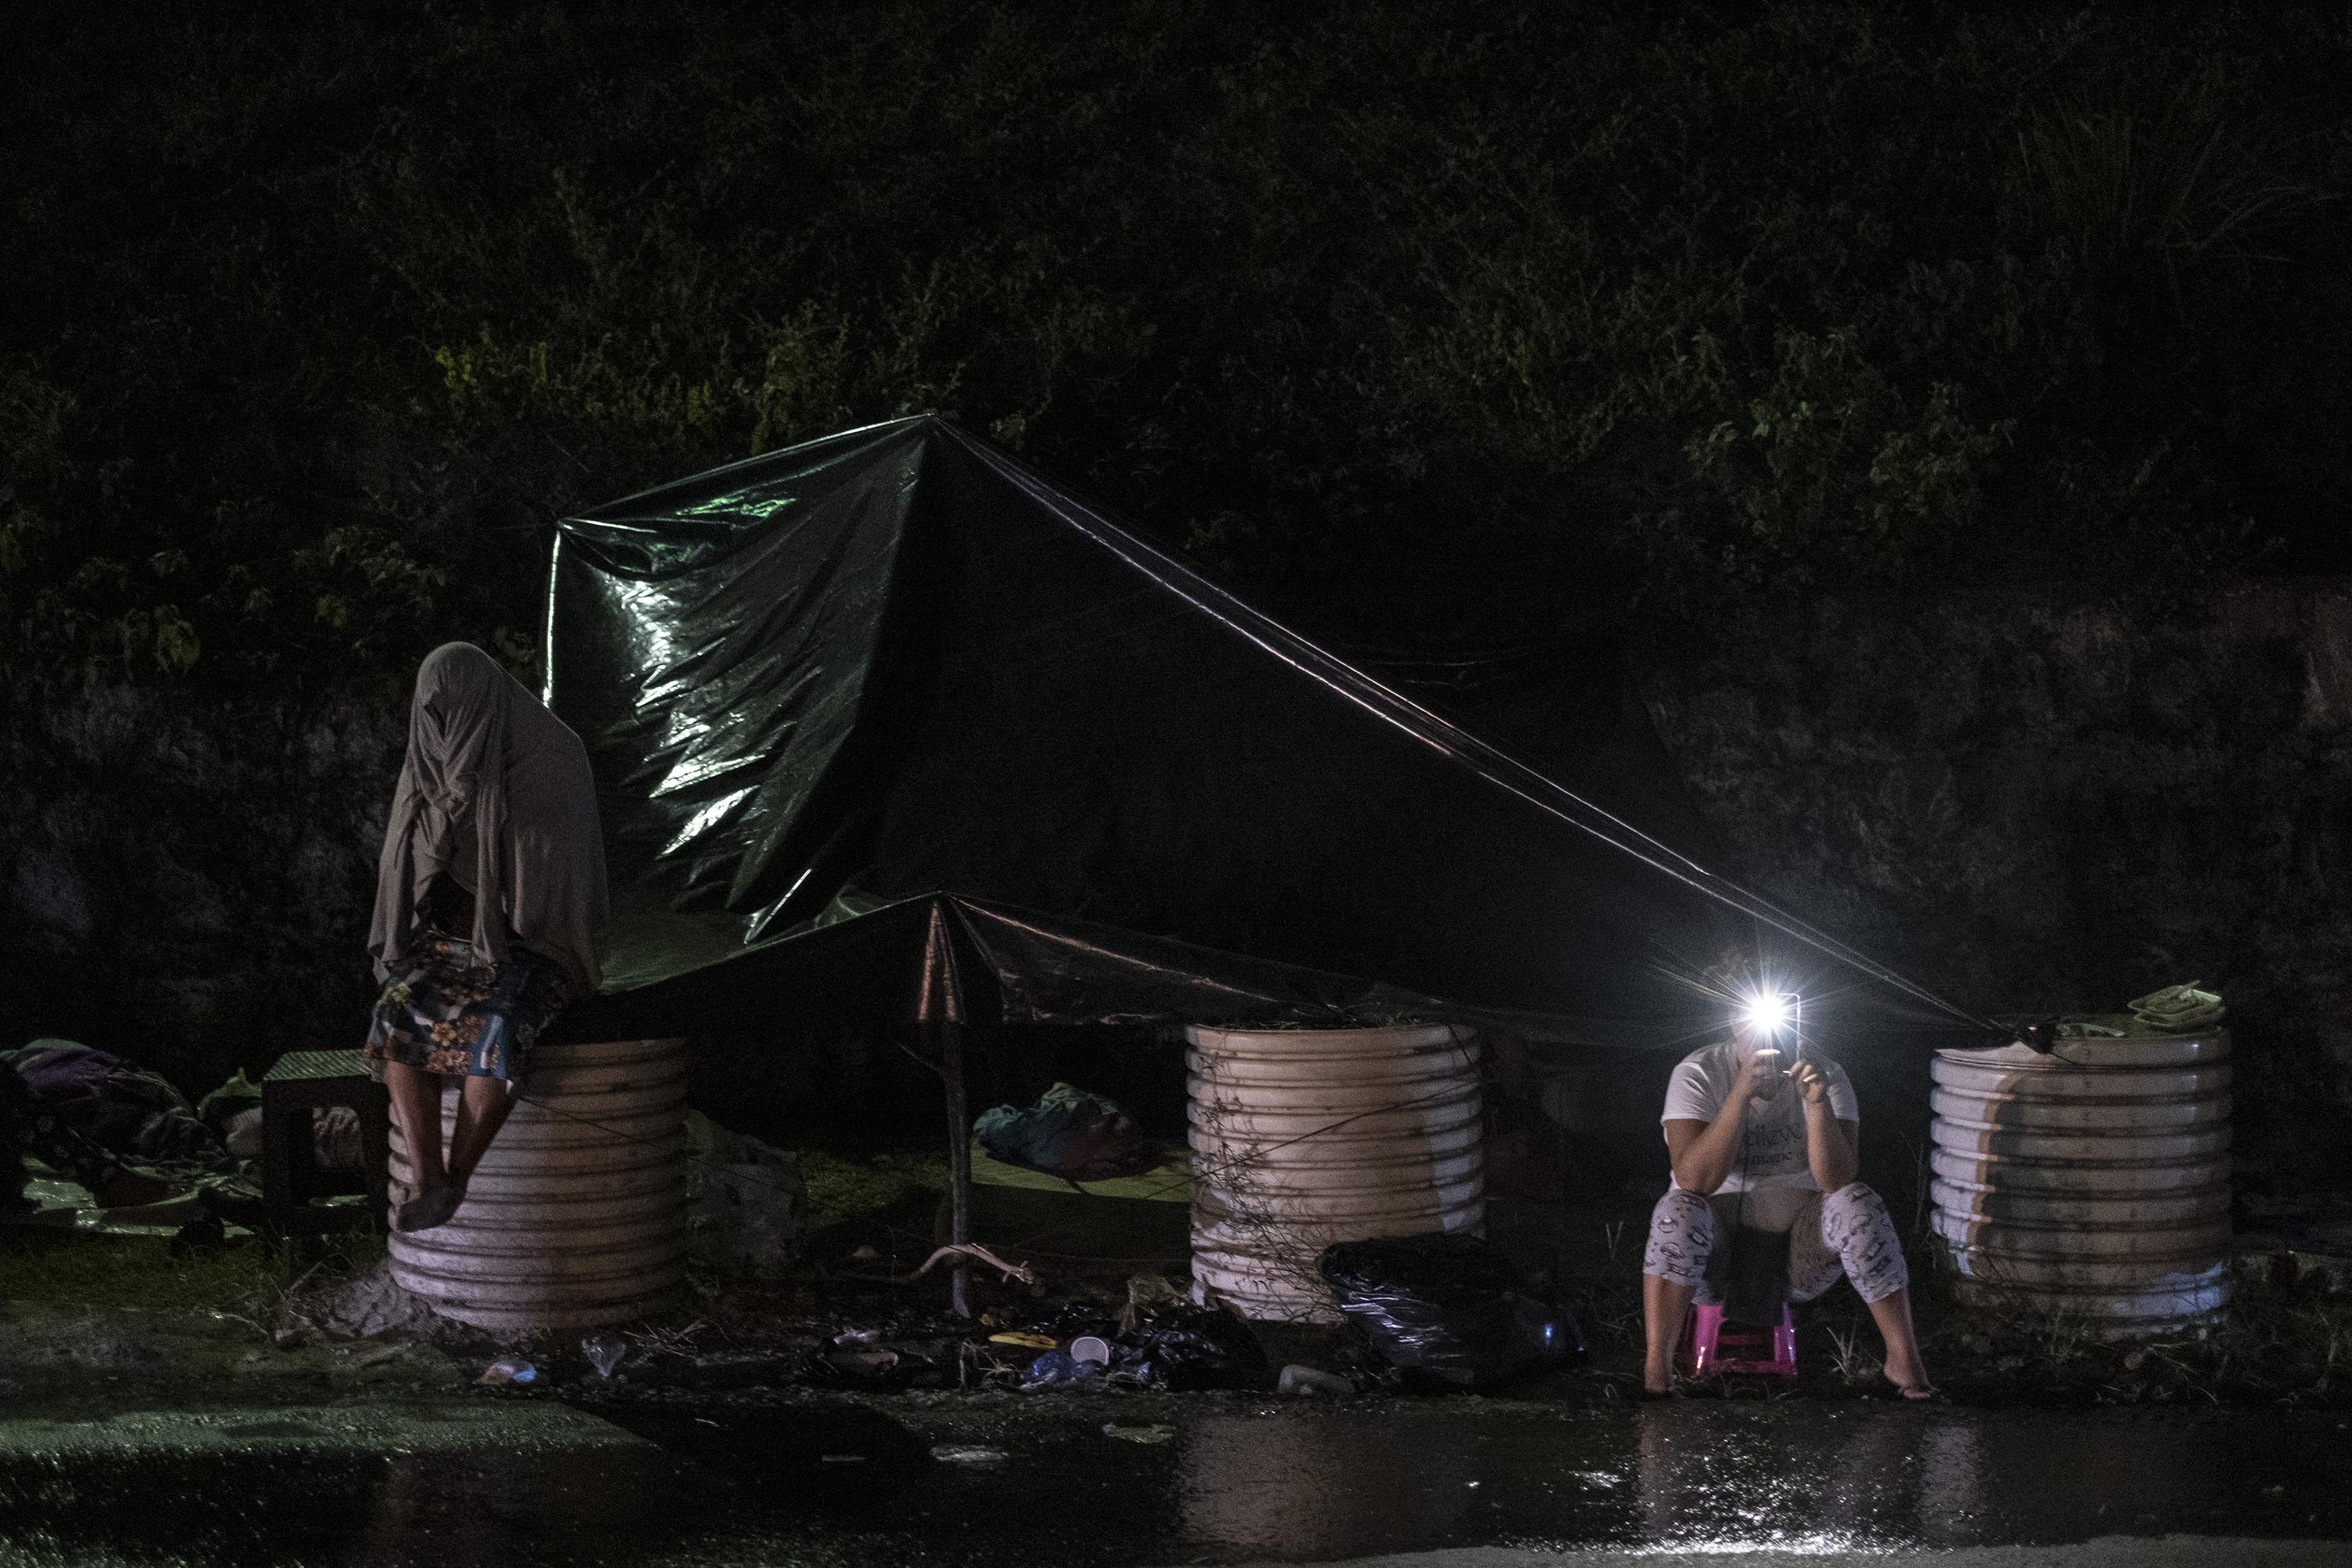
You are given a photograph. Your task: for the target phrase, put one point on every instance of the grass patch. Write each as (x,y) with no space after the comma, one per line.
(843,1190)
(55,1271)
(2285,1340)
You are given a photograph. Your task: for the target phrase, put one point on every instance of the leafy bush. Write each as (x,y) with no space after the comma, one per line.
(322,320)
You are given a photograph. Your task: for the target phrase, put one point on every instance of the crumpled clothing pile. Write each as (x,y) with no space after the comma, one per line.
(2177,1008)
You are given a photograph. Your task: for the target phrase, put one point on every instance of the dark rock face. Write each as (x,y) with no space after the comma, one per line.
(186,880)
(2029,802)
(2036,803)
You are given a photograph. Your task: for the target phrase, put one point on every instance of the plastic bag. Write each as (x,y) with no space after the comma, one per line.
(1059,1368)
(1448,1311)
(1185,1348)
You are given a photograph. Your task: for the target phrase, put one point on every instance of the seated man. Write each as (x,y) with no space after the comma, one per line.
(1759,1143)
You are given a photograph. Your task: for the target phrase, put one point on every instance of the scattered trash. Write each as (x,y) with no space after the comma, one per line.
(1010,1271)
(1070,1133)
(865,1254)
(509,1369)
(1154,1434)
(1058,1369)
(1146,1293)
(604,1352)
(1308,1380)
(1186,1348)
(1090,1347)
(841,1459)
(858,1358)
(1447,1310)
(733,1369)
(948,1454)
(1026,1340)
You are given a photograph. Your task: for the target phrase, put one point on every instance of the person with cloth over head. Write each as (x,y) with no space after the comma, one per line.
(489,898)
(1763,1204)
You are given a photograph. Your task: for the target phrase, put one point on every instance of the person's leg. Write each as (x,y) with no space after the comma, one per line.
(482,1107)
(1857,1228)
(415,1096)
(1681,1234)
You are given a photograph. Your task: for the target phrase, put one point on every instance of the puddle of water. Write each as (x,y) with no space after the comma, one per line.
(852,1484)
(1870,1478)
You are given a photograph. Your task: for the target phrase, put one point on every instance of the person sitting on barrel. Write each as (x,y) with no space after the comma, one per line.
(489,896)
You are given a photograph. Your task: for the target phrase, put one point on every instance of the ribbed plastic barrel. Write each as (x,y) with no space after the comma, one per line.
(2093,1182)
(577,1215)
(1304,1137)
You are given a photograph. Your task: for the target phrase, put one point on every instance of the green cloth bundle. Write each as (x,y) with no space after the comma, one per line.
(2177,1008)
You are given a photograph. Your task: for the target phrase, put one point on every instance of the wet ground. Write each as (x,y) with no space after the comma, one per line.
(1076,1479)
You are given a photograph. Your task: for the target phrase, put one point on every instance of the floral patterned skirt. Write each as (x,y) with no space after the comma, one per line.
(443,1012)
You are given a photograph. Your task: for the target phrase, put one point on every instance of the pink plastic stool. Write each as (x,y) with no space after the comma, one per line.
(1746,1351)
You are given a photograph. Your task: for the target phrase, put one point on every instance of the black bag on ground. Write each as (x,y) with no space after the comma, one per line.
(1185,1348)
(1451,1313)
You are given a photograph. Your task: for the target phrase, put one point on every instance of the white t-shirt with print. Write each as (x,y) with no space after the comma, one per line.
(1769,1162)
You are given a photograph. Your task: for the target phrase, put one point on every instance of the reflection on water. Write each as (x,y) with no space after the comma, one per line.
(1243,1482)
(1793,1474)
(1272,1486)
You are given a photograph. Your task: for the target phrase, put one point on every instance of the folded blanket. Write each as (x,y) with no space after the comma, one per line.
(2177,1008)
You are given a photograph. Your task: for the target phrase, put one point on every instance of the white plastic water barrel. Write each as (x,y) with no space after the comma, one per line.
(1304,1137)
(577,1214)
(2093,1181)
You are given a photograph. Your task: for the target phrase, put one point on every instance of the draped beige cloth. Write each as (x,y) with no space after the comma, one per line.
(496,792)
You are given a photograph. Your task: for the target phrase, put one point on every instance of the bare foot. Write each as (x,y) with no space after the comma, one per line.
(430,1207)
(1910,1380)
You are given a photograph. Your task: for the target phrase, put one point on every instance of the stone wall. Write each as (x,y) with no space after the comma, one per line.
(2029,801)
(186,878)
(2034,802)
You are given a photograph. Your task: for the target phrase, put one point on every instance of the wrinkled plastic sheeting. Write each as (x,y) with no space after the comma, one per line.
(889,723)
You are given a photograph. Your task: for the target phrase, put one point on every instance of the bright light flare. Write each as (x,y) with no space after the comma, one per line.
(1767,1015)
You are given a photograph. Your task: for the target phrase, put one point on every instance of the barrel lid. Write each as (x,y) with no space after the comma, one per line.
(2140,1048)
(1320,1042)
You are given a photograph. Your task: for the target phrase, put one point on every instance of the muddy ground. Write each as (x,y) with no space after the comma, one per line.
(158,1409)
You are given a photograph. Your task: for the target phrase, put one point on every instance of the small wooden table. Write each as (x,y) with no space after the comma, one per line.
(298,1084)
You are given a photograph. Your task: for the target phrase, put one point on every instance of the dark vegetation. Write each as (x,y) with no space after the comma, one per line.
(319,316)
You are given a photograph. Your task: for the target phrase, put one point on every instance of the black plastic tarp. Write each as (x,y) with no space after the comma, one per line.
(889,725)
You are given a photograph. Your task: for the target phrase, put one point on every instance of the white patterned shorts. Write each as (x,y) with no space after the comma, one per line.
(1846,1232)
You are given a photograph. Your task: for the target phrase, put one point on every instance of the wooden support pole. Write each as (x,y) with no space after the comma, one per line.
(949,1038)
